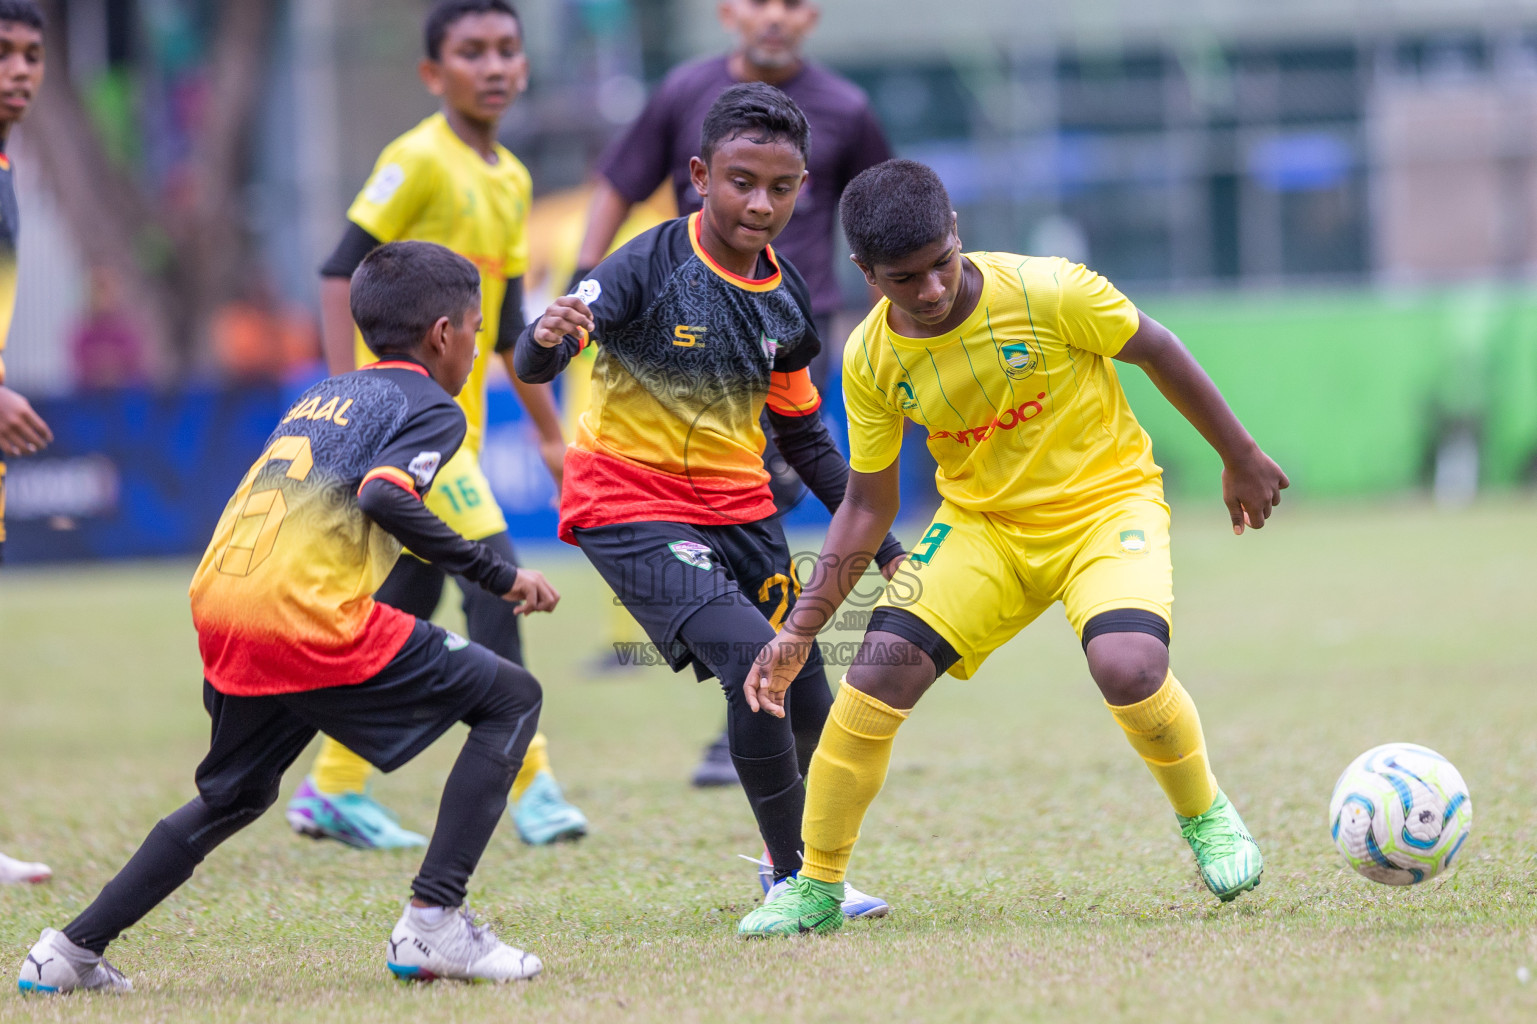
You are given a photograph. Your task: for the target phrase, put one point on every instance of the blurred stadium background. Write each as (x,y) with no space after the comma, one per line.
(1334,202)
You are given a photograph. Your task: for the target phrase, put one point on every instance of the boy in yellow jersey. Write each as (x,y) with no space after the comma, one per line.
(448,181)
(1050,494)
(22,430)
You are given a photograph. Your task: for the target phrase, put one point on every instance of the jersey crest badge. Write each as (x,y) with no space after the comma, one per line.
(1133,542)
(769,345)
(385,184)
(1018,360)
(425,466)
(691,552)
(453,641)
(906,401)
(588,291)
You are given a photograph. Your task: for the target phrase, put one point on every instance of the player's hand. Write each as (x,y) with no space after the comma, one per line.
(775,668)
(553,451)
(531,592)
(1251,488)
(890,568)
(22,430)
(566,315)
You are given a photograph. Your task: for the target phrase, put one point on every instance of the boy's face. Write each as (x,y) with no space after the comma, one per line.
(481,69)
(925,284)
(458,355)
(21,69)
(771,32)
(749,190)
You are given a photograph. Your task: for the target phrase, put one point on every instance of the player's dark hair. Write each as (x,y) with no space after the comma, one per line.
(893,209)
(24,12)
(402,288)
(757,111)
(445,12)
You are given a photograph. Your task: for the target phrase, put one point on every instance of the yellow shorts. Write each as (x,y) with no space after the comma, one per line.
(977,579)
(461,497)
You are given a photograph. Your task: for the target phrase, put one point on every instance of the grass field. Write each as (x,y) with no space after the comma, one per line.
(1034,869)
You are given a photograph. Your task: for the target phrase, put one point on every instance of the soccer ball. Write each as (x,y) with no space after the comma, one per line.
(1400,813)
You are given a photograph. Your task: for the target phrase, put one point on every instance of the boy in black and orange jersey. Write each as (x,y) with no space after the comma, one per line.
(699,324)
(293,643)
(447,180)
(22,430)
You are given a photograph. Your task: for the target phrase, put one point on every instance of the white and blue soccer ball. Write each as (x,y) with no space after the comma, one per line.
(1400,813)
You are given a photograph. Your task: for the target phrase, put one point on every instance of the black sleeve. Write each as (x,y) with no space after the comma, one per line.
(809,449)
(403,514)
(404,470)
(355,244)
(510,322)
(615,292)
(799,355)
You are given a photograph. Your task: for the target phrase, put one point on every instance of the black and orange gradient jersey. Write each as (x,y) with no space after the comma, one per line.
(283,598)
(688,355)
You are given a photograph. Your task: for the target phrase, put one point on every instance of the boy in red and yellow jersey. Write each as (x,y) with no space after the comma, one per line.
(294,643)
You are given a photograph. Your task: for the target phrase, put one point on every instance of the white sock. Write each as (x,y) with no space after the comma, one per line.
(429,916)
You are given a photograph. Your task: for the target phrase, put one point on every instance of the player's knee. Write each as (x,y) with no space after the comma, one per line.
(1128,667)
(515,690)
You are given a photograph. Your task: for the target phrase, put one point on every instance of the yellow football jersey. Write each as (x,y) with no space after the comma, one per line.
(429,186)
(1024,412)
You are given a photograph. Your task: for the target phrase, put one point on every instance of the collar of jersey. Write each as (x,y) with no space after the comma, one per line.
(966,326)
(766,284)
(441,126)
(401,363)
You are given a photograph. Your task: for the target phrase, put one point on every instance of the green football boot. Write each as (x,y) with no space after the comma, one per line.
(1224,851)
(804,906)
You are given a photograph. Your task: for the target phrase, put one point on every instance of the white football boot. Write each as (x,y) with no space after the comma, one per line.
(13,871)
(453,946)
(57,965)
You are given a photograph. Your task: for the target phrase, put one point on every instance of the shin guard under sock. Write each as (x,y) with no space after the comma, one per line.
(778,797)
(1166,731)
(847,771)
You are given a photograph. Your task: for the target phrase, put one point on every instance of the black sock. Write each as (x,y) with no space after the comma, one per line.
(778,797)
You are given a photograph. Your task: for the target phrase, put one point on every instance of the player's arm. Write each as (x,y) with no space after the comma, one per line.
(22,430)
(336,327)
(1251,480)
(391,495)
(794,415)
(612,295)
(861,523)
(538,399)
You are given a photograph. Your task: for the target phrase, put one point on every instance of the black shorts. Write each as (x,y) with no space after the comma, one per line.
(434,680)
(665,572)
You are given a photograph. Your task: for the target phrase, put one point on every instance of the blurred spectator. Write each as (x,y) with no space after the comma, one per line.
(107,348)
(258,337)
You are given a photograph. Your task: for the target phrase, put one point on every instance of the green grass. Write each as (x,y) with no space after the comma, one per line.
(1034,868)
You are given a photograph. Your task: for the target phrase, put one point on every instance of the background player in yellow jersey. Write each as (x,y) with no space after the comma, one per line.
(449,181)
(22,430)
(1050,494)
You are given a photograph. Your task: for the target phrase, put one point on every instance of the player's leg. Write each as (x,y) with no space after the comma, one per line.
(960,577)
(254,740)
(333,801)
(1119,598)
(540,810)
(437,680)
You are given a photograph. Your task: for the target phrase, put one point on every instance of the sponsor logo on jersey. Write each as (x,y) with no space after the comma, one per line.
(1006,420)
(906,402)
(425,466)
(1133,542)
(691,552)
(454,642)
(685,336)
(385,183)
(588,291)
(1018,360)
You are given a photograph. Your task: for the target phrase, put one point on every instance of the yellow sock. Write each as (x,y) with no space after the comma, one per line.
(847,770)
(1166,730)
(339,770)
(535,761)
